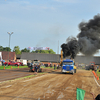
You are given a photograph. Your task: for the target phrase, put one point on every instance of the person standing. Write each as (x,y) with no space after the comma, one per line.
(58,66)
(97,97)
(95,68)
(54,66)
(50,65)
(2,63)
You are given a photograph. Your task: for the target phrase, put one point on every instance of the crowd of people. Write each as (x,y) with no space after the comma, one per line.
(55,66)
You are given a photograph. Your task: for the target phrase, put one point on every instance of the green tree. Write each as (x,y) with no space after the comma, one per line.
(51,51)
(6,49)
(44,51)
(1,48)
(33,52)
(17,50)
(25,50)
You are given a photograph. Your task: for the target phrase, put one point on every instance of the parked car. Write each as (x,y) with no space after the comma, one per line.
(13,63)
(20,64)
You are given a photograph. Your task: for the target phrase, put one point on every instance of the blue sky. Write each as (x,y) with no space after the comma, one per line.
(42,23)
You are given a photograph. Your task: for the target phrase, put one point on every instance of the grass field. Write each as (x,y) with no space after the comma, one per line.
(98,73)
(9,67)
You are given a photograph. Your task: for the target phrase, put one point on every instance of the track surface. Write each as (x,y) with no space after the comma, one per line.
(10,74)
(50,86)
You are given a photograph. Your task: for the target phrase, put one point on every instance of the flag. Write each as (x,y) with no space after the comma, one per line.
(80,94)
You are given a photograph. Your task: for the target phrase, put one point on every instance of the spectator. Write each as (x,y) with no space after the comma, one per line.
(2,63)
(28,63)
(95,68)
(50,65)
(97,97)
(58,66)
(54,66)
(44,65)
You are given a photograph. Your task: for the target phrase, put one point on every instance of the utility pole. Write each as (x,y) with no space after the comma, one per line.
(9,42)
(58,53)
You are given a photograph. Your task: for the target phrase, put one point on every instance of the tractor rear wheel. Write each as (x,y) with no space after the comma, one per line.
(74,70)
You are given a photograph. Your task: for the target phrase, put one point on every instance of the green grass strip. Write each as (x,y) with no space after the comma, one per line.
(9,67)
(98,73)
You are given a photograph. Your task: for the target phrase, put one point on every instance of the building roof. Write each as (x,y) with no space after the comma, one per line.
(56,58)
(5,56)
(41,56)
(18,56)
(87,59)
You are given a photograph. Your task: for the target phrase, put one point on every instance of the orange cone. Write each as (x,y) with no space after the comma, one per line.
(98,78)
(93,72)
(4,67)
(18,66)
(11,67)
(95,75)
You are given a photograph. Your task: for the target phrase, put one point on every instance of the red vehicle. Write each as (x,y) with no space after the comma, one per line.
(20,64)
(13,63)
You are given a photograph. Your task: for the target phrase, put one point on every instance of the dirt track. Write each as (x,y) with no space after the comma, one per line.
(10,74)
(50,86)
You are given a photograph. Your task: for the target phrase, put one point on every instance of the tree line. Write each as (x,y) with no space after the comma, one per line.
(18,51)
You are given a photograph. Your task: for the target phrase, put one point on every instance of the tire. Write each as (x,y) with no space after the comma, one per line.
(16,65)
(74,70)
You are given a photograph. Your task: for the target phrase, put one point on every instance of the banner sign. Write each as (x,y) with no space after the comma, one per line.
(38,48)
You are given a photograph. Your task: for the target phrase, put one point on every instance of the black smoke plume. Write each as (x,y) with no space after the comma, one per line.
(87,41)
